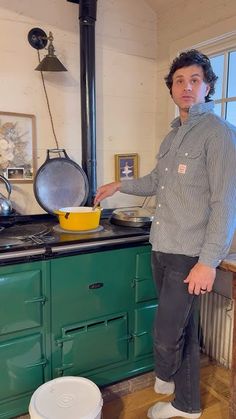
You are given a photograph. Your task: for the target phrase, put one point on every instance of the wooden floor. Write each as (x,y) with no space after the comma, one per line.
(214,393)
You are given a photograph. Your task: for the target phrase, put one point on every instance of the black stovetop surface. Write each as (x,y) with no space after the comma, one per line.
(22,232)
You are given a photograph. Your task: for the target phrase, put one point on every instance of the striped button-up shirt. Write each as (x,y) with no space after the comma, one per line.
(195,185)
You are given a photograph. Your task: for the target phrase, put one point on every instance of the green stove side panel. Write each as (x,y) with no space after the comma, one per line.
(144,285)
(143,330)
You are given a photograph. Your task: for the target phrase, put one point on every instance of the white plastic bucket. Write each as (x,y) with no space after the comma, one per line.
(66,398)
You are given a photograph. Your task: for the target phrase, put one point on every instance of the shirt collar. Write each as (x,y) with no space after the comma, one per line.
(194,112)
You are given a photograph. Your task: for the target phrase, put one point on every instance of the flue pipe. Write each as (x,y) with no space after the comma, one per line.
(87,18)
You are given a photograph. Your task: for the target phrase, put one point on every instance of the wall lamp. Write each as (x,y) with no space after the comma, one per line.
(39,40)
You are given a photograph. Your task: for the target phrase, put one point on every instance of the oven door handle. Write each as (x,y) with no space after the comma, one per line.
(41,300)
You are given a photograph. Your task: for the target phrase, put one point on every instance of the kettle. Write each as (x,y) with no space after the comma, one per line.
(5,203)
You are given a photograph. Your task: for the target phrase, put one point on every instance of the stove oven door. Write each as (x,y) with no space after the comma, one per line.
(23,365)
(101,342)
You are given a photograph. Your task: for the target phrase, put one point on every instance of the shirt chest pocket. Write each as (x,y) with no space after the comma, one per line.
(190,167)
(163,158)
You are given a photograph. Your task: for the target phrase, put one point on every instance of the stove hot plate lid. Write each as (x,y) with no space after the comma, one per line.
(134,215)
(9,241)
(26,230)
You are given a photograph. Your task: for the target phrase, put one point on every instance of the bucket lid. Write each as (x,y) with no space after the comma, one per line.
(66,397)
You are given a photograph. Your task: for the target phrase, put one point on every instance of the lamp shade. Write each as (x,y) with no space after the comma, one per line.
(50,63)
(38,40)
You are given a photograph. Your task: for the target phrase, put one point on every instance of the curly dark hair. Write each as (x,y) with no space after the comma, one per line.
(193,57)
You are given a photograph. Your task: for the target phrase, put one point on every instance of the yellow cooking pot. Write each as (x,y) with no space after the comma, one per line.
(79,218)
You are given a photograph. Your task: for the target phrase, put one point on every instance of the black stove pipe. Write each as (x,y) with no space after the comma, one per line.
(87,18)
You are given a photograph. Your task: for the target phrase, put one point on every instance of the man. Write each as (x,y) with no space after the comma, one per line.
(195,185)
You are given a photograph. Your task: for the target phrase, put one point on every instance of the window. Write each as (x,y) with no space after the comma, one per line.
(224,66)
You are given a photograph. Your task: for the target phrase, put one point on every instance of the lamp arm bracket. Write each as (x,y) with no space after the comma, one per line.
(37,38)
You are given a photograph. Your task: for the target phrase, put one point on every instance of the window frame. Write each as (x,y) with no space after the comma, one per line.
(224,99)
(222,44)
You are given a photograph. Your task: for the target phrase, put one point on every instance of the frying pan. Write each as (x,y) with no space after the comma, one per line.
(60,182)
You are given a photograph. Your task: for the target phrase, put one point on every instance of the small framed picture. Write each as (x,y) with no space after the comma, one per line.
(16,173)
(126,166)
(17,146)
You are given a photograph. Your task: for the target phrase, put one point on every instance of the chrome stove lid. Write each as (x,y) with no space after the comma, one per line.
(133,217)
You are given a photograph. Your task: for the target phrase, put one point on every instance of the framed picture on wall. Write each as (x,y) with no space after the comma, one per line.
(17,146)
(126,166)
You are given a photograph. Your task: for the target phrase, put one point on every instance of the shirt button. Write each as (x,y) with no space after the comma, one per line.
(186,154)
(157,222)
(166,169)
(162,187)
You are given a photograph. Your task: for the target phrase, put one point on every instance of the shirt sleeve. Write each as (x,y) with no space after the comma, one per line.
(144,186)
(221,164)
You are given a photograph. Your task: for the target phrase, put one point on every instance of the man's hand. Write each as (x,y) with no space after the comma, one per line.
(200,279)
(106,190)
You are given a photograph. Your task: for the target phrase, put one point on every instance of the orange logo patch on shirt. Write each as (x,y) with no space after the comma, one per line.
(182,168)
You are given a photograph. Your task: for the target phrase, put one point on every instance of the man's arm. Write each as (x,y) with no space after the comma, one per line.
(221,163)
(106,190)
(200,279)
(144,186)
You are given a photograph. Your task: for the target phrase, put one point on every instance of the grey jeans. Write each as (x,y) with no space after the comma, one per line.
(176,344)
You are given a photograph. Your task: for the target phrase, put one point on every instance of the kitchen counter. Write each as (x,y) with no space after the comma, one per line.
(229,263)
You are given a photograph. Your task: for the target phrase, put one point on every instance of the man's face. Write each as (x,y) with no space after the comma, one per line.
(188,87)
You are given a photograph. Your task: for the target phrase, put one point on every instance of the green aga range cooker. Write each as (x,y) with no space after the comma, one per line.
(72,304)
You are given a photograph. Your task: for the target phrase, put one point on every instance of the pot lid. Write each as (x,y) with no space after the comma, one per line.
(134,214)
(60,182)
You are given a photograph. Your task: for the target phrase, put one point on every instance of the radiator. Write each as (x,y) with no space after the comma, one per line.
(216,327)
